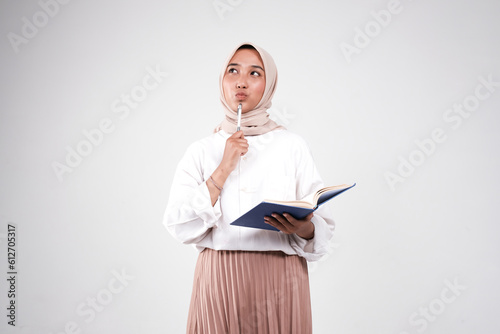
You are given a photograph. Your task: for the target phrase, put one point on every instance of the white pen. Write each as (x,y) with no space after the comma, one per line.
(239,118)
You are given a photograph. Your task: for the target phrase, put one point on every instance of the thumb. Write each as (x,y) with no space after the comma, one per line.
(238,134)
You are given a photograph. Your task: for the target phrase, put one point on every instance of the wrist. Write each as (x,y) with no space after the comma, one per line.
(308,232)
(220,176)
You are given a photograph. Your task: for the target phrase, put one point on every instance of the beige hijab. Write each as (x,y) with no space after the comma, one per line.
(256,121)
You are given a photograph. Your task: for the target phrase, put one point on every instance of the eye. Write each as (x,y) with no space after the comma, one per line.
(255,74)
(232,70)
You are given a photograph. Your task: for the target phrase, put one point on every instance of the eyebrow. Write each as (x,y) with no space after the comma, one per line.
(255,66)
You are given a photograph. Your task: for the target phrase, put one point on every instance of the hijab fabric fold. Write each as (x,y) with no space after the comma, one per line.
(256,121)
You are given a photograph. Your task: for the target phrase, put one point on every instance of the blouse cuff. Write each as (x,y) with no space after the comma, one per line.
(315,248)
(202,206)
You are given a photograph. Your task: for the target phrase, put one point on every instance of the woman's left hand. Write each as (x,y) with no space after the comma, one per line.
(304,228)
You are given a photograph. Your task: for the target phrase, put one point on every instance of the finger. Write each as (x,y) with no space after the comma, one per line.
(237,134)
(290,219)
(294,221)
(268,221)
(238,143)
(242,142)
(242,148)
(275,223)
(283,221)
(238,146)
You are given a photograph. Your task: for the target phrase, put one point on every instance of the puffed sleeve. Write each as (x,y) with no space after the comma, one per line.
(189,215)
(309,181)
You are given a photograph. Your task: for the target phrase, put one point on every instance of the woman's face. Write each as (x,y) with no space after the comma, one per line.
(245,80)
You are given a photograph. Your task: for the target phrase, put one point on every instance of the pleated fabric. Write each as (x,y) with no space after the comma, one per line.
(250,292)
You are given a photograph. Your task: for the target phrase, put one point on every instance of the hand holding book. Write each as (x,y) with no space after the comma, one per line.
(286,223)
(297,209)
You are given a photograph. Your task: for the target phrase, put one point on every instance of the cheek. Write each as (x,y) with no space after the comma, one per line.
(261,87)
(225,87)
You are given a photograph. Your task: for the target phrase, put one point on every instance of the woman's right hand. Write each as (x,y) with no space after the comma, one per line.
(236,146)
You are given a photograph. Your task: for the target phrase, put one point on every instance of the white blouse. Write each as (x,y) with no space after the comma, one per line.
(278,166)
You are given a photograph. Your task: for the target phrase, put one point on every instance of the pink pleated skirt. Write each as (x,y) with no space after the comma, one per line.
(250,293)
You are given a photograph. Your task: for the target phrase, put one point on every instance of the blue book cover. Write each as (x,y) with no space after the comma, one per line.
(298,209)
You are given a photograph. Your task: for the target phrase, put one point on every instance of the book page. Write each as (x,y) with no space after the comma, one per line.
(328,193)
(299,204)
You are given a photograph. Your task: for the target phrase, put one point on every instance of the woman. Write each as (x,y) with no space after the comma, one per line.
(248,280)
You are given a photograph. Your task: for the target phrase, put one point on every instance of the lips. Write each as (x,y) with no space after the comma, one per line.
(241,96)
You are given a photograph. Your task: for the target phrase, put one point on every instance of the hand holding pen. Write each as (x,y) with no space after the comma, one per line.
(236,146)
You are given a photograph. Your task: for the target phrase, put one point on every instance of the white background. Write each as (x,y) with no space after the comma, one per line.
(396,249)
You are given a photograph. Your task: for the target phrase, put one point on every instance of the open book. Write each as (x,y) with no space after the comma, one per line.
(298,209)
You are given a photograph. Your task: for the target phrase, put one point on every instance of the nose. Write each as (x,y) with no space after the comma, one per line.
(241,84)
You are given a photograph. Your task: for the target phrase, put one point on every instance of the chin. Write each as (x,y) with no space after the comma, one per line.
(235,105)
